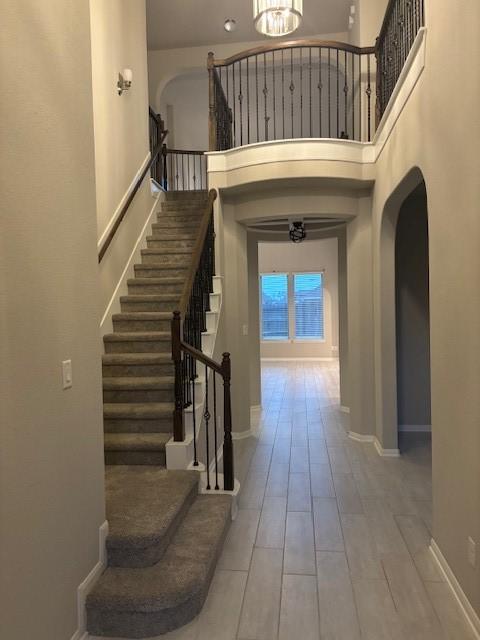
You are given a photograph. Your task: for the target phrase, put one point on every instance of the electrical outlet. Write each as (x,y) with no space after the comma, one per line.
(67,374)
(472,552)
(245,329)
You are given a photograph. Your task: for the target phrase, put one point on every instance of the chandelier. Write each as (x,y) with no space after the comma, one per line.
(277,17)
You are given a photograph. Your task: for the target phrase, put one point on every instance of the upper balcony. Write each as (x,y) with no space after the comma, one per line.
(310,88)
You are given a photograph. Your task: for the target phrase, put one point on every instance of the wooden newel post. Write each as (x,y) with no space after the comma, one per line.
(228,467)
(178,426)
(212,107)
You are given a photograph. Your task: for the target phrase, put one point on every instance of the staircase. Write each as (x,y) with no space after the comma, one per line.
(164,539)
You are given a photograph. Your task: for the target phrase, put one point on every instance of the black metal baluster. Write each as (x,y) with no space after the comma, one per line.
(345,91)
(215,432)
(338,94)
(234,110)
(310,85)
(301,93)
(240,102)
(274,99)
(265,95)
(206,417)
(248,100)
(320,91)
(283,96)
(256,98)
(329,93)
(353,95)
(292,89)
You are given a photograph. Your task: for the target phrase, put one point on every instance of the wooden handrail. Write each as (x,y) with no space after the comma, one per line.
(201,357)
(123,212)
(291,44)
(197,252)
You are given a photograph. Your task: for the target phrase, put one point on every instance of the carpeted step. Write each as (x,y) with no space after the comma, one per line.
(138,342)
(173,243)
(193,194)
(142,321)
(135,448)
(166,302)
(179,219)
(141,603)
(138,417)
(172,257)
(160,271)
(137,364)
(152,285)
(145,506)
(168,227)
(138,389)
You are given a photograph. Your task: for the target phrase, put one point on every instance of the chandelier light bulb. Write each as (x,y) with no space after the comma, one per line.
(277,17)
(230,25)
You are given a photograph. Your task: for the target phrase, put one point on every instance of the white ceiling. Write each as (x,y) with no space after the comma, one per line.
(189,23)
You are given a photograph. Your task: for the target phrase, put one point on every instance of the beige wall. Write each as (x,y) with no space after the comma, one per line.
(311,255)
(121,130)
(369,16)
(431,136)
(51,453)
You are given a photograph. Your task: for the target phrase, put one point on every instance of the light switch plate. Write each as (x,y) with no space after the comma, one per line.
(67,374)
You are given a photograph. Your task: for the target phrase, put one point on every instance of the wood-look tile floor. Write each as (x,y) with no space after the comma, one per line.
(331,540)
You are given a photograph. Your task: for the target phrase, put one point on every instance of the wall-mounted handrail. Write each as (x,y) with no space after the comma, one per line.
(304,88)
(155,152)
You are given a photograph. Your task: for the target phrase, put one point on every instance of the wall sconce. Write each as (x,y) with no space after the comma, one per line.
(124,81)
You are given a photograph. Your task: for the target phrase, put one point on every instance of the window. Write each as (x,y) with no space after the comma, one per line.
(308,295)
(292,306)
(274,293)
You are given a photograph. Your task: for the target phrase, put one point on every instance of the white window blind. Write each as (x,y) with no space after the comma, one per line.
(274,295)
(308,297)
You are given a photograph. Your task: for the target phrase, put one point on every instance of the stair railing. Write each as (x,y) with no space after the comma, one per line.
(295,89)
(184,170)
(188,324)
(402,22)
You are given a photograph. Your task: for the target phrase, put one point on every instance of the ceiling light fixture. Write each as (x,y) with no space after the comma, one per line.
(230,25)
(277,17)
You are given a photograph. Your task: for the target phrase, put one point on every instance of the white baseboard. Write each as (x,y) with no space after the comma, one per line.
(359,437)
(384,453)
(467,609)
(122,202)
(344,409)
(242,435)
(415,428)
(122,283)
(87,585)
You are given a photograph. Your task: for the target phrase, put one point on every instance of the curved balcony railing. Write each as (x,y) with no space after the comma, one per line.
(295,89)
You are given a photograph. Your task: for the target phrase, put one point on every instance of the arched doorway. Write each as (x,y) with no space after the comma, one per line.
(412,322)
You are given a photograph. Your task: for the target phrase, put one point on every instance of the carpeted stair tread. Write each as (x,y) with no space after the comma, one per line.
(137,336)
(167,252)
(142,315)
(140,410)
(136,358)
(141,603)
(145,506)
(164,280)
(136,441)
(154,297)
(138,382)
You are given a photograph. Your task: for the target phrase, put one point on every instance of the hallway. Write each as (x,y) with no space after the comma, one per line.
(331,541)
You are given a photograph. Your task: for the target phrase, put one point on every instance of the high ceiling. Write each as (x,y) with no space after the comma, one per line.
(189,23)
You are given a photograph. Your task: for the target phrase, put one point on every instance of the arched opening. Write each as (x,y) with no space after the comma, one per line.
(412,321)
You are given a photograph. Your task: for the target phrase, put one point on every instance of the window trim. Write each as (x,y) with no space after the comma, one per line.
(291,308)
